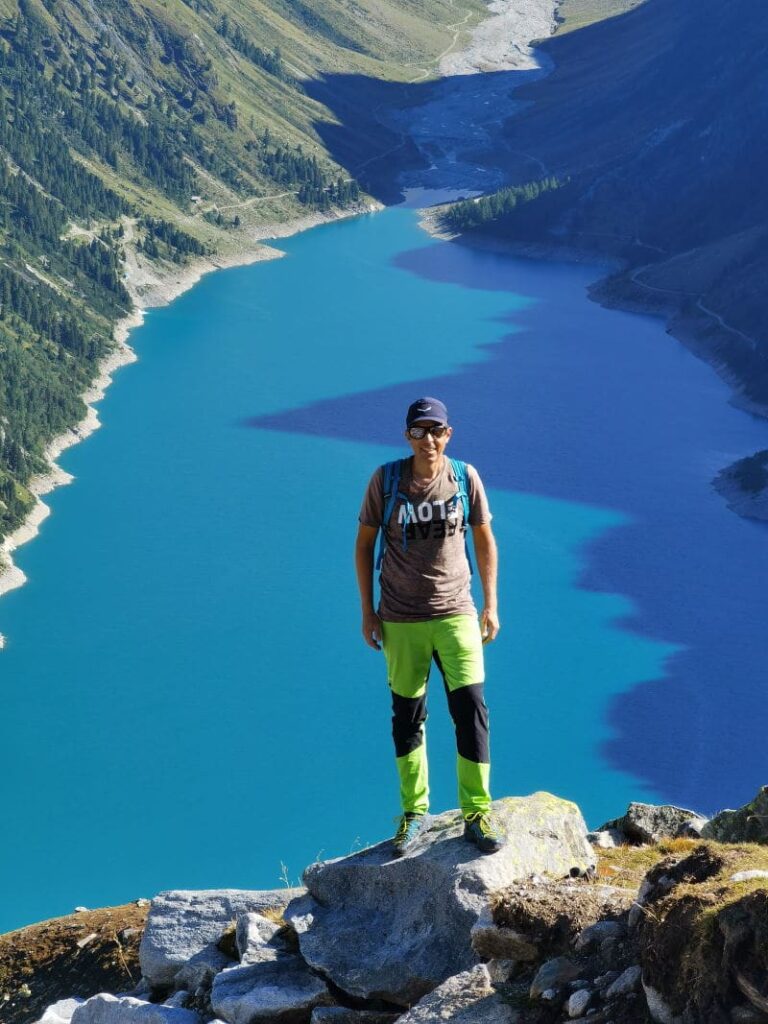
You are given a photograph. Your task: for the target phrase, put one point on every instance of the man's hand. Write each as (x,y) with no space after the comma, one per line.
(372,630)
(489,624)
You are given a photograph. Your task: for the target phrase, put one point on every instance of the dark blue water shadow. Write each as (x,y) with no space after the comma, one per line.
(597,406)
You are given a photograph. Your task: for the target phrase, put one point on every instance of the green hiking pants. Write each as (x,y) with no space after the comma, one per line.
(455,645)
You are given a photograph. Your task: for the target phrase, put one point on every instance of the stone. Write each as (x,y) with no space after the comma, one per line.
(658,1007)
(466,998)
(578,1002)
(492,942)
(258,939)
(178,998)
(344,1015)
(282,989)
(395,928)
(553,974)
(201,968)
(692,829)
(182,922)
(599,932)
(500,971)
(748,824)
(746,1015)
(107,1009)
(752,992)
(746,876)
(626,982)
(608,839)
(604,981)
(650,823)
(60,1012)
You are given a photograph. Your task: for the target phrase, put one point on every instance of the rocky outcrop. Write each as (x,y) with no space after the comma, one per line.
(649,823)
(182,923)
(394,929)
(748,824)
(375,939)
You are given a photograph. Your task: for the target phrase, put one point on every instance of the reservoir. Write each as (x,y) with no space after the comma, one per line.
(187,700)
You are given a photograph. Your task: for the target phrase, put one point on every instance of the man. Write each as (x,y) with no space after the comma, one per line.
(424,506)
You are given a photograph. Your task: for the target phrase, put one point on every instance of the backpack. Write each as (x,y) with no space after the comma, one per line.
(391,473)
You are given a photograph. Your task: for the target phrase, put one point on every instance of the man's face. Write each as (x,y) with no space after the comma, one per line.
(429,447)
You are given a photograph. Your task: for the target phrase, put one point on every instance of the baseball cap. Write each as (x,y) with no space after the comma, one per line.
(426,409)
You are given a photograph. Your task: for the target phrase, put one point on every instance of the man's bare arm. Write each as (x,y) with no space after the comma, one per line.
(487,566)
(365,546)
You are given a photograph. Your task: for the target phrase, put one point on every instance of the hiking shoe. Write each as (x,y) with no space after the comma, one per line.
(481,830)
(408,827)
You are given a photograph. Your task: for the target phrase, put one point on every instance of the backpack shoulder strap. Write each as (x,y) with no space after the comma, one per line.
(390,484)
(462,482)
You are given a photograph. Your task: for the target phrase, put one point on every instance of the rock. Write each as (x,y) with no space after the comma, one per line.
(578,1002)
(549,995)
(599,932)
(107,1009)
(255,937)
(269,991)
(626,982)
(746,876)
(60,1012)
(126,934)
(394,928)
(746,1015)
(692,829)
(748,824)
(606,840)
(604,981)
(658,1007)
(178,998)
(650,823)
(81,910)
(491,942)
(553,974)
(752,992)
(466,998)
(181,923)
(343,1015)
(552,916)
(201,968)
(500,970)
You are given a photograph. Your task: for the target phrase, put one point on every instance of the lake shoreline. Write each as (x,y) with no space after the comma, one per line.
(150,286)
(702,336)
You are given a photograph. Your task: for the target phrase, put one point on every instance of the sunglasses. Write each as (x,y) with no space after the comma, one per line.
(416,433)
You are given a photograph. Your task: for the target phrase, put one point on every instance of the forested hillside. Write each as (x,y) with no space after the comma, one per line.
(175,125)
(657,120)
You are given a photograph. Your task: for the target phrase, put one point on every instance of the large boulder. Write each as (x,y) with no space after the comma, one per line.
(651,823)
(282,990)
(108,1009)
(467,998)
(395,928)
(181,923)
(748,824)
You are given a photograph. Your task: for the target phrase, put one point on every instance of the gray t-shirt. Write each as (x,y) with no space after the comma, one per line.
(430,578)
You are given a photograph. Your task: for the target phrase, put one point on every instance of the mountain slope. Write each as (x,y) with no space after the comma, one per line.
(172,127)
(656,120)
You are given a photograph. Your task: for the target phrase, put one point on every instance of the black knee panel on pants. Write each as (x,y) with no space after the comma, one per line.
(408,716)
(470,716)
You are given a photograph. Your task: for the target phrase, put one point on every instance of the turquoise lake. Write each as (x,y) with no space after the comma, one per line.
(187,700)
